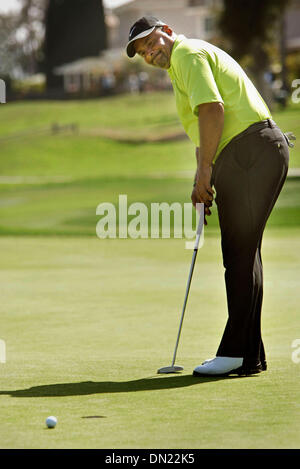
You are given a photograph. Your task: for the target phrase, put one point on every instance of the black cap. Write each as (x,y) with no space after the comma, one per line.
(141,28)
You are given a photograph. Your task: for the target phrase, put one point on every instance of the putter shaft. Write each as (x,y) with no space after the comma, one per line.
(185,302)
(199,231)
(171,369)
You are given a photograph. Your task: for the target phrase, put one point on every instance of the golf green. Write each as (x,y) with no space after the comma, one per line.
(87,323)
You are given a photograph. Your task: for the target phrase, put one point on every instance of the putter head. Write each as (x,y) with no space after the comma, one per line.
(170,369)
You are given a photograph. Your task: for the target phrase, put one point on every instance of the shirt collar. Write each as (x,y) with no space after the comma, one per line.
(177,41)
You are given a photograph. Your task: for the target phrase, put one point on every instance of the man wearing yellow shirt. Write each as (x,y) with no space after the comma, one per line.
(242,156)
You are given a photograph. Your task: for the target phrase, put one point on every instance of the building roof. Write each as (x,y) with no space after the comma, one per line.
(100,64)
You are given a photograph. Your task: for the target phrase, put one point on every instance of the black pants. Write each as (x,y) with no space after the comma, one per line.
(248,176)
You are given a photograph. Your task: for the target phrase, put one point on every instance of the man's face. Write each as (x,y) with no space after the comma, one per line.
(156,48)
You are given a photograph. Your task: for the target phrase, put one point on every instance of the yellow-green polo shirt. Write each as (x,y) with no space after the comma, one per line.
(203,73)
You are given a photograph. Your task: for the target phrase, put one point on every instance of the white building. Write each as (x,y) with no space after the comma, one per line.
(193,18)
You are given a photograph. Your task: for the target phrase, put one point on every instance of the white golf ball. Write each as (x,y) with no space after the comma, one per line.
(51,421)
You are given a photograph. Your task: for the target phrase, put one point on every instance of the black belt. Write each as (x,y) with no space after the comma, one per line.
(262,125)
(255,127)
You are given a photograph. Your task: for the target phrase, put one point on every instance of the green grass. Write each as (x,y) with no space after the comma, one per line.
(87,322)
(31,150)
(70,208)
(124,110)
(80,157)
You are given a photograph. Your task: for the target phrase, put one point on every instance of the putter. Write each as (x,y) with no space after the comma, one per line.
(173,368)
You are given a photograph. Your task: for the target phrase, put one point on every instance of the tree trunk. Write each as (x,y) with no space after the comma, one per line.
(259,69)
(73,29)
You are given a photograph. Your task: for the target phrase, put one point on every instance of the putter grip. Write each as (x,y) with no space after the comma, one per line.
(200,208)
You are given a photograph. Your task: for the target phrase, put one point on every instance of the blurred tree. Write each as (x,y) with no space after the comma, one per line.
(252,26)
(21,35)
(73,29)
(31,33)
(9,52)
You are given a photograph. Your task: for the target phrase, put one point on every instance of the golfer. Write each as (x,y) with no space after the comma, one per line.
(242,162)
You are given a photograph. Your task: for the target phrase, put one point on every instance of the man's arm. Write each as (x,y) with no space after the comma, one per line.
(211,123)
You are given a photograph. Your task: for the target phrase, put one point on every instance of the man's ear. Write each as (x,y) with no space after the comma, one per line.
(166,29)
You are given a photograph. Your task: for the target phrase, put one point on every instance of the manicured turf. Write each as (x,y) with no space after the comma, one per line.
(31,148)
(70,209)
(87,322)
(53,183)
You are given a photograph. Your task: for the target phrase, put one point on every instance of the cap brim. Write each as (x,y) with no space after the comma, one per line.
(130,49)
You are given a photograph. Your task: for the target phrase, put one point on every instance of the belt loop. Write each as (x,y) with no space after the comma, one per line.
(271,123)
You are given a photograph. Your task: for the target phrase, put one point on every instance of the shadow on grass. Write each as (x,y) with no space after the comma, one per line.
(91,387)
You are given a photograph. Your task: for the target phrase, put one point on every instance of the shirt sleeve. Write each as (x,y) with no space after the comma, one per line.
(198,81)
